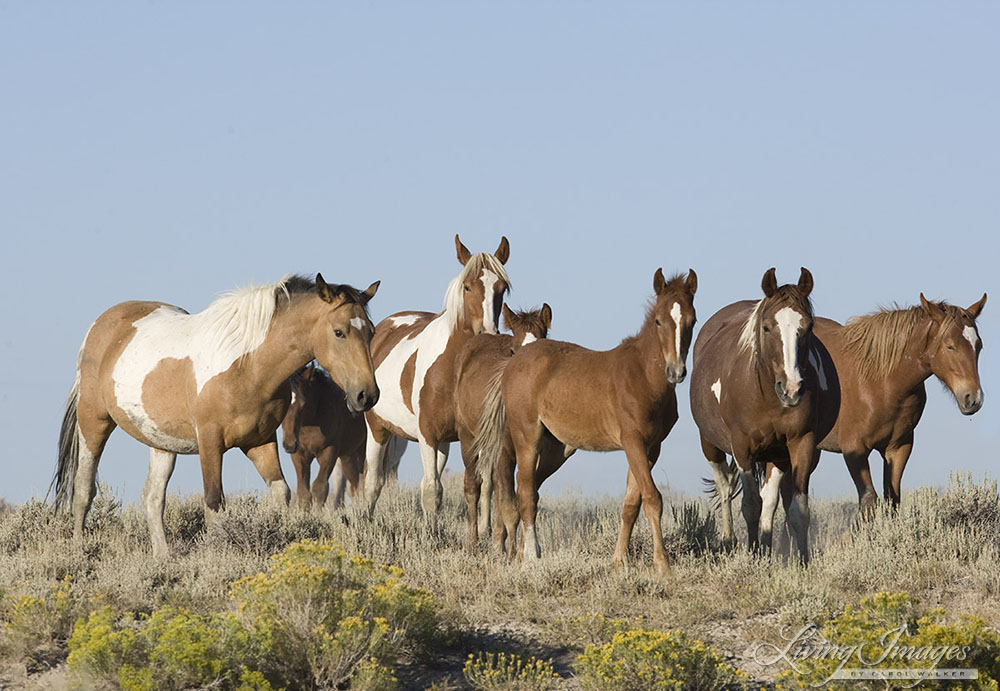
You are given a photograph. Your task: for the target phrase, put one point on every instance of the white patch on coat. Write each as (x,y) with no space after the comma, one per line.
(404,319)
(717,390)
(528,338)
(817,362)
(972,336)
(789,321)
(293,398)
(675,312)
(489,280)
(769,500)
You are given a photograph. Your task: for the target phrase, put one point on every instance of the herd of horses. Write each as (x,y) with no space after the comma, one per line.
(772,386)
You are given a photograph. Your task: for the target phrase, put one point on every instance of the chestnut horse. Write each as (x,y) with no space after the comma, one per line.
(882,361)
(414,354)
(479,368)
(764,387)
(319,425)
(561,395)
(207,382)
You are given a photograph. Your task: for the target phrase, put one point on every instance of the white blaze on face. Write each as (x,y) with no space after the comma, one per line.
(717,390)
(789,321)
(358,323)
(817,362)
(972,336)
(675,312)
(489,280)
(528,338)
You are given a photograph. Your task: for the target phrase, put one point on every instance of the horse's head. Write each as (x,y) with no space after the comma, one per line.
(673,316)
(528,326)
(292,423)
(780,328)
(475,296)
(341,341)
(953,346)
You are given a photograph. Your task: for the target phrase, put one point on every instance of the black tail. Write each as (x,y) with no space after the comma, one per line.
(735,482)
(69,451)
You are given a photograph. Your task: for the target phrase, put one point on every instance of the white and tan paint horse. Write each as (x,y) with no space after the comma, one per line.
(415,358)
(203,383)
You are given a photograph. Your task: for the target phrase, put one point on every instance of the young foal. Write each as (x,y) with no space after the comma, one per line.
(204,383)
(882,361)
(319,425)
(414,354)
(756,393)
(621,399)
(478,370)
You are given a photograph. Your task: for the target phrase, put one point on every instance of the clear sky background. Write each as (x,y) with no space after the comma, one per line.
(173,151)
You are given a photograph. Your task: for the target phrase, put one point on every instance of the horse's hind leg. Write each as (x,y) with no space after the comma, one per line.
(302,461)
(506,500)
(161,467)
(265,458)
(723,487)
(93,430)
(895,458)
(630,512)
(471,486)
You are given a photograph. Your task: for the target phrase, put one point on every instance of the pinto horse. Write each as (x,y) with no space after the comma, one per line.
(882,361)
(764,387)
(479,368)
(320,425)
(203,383)
(559,395)
(415,354)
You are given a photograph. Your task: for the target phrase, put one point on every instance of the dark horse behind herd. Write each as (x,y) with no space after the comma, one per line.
(772,386)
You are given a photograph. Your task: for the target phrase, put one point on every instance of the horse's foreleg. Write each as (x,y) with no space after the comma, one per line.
(302,461)
(630,512)
(723,487)
(374,465)
(857,465)
(154,493)
(431,490)
(895,458)
(804,456)
(338,481)
(210,450)
(265,458)
(640,467)
(769,496)
(321,486)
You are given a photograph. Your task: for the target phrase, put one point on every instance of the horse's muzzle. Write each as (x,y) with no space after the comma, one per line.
(676,373)
(789,400)
(289,445)
(365,400)
(970,403)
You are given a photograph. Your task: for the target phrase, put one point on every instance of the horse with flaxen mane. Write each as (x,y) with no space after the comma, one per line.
(319,425)
(764,387)
(479,368)
(414,354)
(563,396)
(207,382)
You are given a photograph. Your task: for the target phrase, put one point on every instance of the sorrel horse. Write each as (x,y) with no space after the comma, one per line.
(882,361)
(479,368)
(764,387)
(557,394)
(203,383)
(414,354)
(319,425)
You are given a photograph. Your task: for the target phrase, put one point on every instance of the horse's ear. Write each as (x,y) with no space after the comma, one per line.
(933,310)
(976,309)
(769,284)
(370,292)
(546,315)
(503,251)
(805,282)
(691,282)
(659,282)
(463,252)
(508,317)
(323,288)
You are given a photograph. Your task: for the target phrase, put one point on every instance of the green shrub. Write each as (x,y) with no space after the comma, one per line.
(694,530)
(889,632)
(636,659)
(502,671)
(35,630)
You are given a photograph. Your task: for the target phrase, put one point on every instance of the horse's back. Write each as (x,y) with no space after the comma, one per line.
(395,328)
(477,364)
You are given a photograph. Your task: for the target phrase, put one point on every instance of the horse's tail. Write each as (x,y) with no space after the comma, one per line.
(735,483)
(489,441)
(69,449)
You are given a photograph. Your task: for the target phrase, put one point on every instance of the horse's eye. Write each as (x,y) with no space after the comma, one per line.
(467,288)
(658,322)
(951,347)
(338,333)
(767,329)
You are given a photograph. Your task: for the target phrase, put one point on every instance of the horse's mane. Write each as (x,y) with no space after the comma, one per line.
(877,340)
(787,295)
(530,319)
(453,298)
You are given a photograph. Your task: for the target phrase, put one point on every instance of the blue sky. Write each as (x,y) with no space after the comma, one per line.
(172,151)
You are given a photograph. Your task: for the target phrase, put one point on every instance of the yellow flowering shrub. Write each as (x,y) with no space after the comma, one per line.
(35,629)
(888,631)
(502,671)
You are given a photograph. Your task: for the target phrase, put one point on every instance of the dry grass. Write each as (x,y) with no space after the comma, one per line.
(941,546)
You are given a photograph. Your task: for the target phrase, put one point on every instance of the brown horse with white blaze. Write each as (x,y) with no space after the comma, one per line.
(203,383)
(757,392)
(415,354)
(479,369)
(319,425)
(563,396)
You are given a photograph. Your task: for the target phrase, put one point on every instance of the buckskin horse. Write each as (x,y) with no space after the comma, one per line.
(414,355)
(203,383)
(479,368)
(562,395)
(764,387)
(319,425)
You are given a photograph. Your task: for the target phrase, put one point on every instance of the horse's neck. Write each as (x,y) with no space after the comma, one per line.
(285,350)
(913,367)
(645,347)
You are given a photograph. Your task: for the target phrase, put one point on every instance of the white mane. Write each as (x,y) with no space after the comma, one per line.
(748,336)
(454,297)
(237,322)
